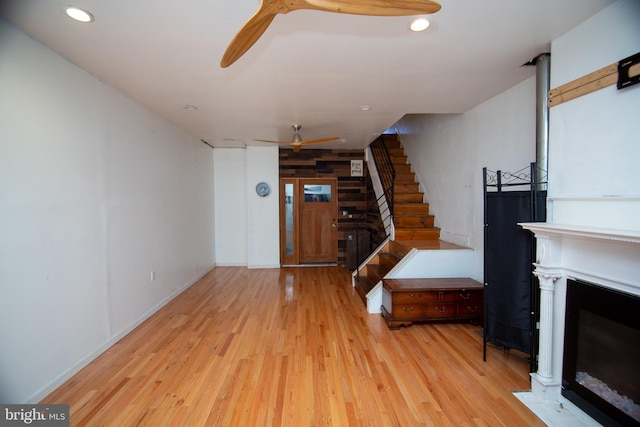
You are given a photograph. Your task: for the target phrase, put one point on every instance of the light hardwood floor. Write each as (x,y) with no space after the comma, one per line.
(293,347)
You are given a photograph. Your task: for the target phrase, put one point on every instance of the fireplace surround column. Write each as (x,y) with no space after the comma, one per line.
(545,365)
(546,382)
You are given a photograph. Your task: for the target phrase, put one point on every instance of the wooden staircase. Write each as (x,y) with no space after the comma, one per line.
(378,266)
(411,217)
(414,226)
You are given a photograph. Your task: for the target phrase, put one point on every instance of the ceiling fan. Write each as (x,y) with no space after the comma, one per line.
(259,22)
(297,141)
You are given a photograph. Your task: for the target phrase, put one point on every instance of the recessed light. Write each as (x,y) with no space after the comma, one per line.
(419,24)
(190,107)
(365,108)
(78,14)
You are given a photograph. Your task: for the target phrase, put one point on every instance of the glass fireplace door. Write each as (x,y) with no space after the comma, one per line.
(601,363)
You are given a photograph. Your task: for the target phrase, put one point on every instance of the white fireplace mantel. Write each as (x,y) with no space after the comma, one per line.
(605,256)
(552,230)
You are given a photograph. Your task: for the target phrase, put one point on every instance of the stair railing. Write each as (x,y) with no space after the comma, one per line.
(386,171)
(378,216)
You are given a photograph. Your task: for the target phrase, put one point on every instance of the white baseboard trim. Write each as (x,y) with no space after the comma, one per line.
(45,391)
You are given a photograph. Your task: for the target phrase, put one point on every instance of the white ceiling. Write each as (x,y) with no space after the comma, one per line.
(312,68)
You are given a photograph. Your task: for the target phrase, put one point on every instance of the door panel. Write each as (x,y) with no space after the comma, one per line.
(318,215)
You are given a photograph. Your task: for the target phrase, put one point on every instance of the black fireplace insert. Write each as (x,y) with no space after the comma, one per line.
(601,362)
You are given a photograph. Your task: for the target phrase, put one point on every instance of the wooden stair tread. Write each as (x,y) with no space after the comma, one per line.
(400,208)
(405,187)
(375,272)
(399,249)
(416,229)
(412,215)
(418,234)
(403,215)
(409,214)
(409,197)
(430,244)
(402,167)
(417,221)
(407,177)
(388,260)
(365,284)
(391,140)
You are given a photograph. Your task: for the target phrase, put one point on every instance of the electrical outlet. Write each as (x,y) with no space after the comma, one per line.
(153,275)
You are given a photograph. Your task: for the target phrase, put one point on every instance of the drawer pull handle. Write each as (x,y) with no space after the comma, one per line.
(472,309)
(408,310)
(441,309)
(466,296)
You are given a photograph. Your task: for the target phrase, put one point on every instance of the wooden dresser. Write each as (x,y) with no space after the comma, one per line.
(405,301)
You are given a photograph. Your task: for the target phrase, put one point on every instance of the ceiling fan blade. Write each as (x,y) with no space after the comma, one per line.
(274,142)
(260,21)
(317,141)
(298,145)
(251,32)
(369,7)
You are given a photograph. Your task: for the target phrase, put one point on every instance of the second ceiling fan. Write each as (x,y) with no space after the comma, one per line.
(259,22)
(297,142)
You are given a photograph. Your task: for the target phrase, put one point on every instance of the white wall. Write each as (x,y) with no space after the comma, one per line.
(263,230)
(448,152)
(230,172)
(96,192)
(247,225)
(594,175)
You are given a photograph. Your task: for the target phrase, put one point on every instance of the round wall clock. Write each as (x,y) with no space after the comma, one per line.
(263,189)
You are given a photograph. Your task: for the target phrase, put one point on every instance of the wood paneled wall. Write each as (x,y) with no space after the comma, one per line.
(352,191)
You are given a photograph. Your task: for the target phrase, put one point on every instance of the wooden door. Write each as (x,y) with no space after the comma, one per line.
(308,221)
(318,227)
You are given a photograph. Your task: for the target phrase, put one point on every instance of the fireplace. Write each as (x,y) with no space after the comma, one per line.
(601,325)
(601,363)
